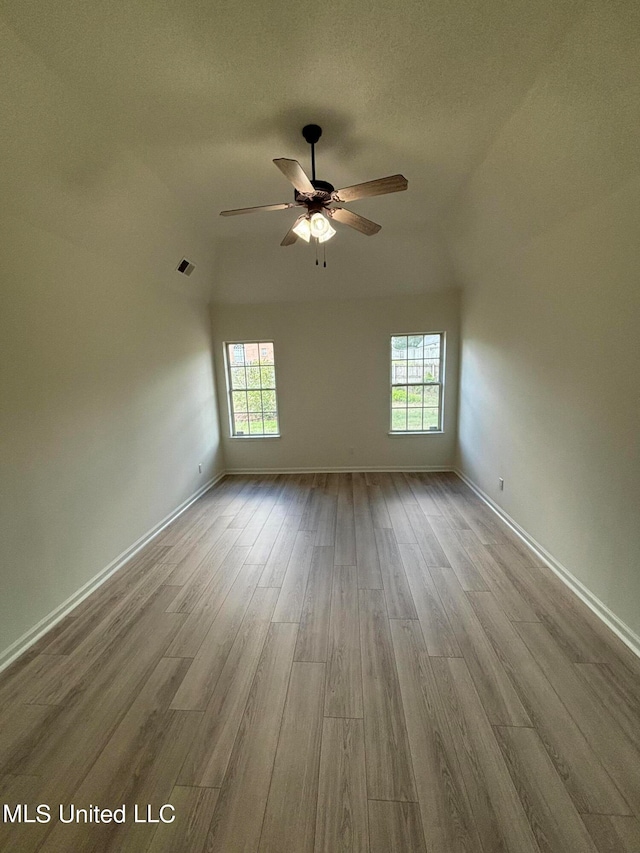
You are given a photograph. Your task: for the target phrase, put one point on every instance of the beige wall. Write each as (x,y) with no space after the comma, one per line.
(332,373)
(551,313)
(106,379)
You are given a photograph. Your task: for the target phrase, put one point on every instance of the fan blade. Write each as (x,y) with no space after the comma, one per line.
(293,171)
(381,186)
(290,237)
(283,206)
(348,217)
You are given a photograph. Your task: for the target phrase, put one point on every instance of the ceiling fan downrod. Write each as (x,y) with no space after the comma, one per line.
(312,133)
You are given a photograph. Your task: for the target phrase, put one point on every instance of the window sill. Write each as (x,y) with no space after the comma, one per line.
(417,432)
(242,437)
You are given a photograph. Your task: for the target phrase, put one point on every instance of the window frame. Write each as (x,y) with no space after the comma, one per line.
(230,389)
(440,384)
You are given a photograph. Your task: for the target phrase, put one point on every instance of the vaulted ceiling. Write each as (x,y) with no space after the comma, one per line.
(206,94)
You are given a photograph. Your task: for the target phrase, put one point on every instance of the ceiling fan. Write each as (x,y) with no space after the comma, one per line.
(321,200)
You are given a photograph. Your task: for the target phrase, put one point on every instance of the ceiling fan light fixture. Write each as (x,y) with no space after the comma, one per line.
(320,227)
(303,229)
(328,234)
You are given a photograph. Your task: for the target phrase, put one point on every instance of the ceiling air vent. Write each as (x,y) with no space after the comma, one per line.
(185,267)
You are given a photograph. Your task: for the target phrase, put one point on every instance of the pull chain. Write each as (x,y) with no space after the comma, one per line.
(324,252)
(316,252)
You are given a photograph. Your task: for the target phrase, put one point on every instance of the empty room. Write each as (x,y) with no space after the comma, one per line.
(319,426)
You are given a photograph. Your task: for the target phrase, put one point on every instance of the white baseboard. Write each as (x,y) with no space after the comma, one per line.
(21,645)
(620,628)
(341,470)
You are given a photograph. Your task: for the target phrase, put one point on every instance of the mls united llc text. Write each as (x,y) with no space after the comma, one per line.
(70,813)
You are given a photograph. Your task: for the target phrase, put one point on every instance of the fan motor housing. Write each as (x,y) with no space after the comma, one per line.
(323,193)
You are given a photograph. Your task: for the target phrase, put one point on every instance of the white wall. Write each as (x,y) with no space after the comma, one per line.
(548,241)
(332,374)
(106,377)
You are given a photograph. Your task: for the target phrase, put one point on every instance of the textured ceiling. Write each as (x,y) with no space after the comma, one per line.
(206,94)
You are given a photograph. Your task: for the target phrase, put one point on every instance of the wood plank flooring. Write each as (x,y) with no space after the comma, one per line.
(329,663)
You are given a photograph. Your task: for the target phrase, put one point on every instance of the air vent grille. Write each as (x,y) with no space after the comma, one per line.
(185,267)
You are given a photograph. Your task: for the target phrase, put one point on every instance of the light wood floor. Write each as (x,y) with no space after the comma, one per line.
(330,663)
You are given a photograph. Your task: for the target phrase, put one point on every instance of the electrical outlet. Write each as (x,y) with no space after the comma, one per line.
(501,484)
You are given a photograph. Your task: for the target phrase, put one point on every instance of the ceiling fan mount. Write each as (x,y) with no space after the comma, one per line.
(312,133)
(322,200)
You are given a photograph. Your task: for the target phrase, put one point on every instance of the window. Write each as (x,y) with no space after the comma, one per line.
(416,382)
(251,380)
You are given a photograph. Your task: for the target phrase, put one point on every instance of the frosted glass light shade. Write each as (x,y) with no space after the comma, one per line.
(321,228)
(303,230)
(328,234)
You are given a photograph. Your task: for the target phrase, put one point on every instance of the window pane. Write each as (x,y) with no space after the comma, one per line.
(238,378)
(399,419)
(432,346)
(239,399)
(266,353)
(414,345)
(414,395)
(414,370)
(253,377)
(398,371)
(270,423)
(256,425)
(251,354)
(242,424)
(399,346)
(254,400)
(235,354)
(430,419)
(431,371)
(269,400)
(414,419)
(268,377)
(432,395)
(399,397)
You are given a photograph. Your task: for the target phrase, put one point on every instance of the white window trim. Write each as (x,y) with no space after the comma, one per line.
(392,385)
(227,373)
